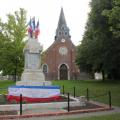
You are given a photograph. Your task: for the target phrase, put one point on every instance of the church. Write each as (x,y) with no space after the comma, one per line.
(58,62)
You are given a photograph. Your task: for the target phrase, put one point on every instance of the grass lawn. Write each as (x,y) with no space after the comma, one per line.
(105,117)
(4,84)
(98,90)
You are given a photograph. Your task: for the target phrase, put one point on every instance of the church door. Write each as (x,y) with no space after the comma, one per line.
(63,72)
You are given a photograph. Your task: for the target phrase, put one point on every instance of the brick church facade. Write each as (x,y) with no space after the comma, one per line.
(59,58)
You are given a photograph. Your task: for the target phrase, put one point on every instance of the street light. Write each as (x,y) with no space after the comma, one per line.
(16,66)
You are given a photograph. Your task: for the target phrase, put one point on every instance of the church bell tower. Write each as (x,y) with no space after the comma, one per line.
(62,31)
(59,58)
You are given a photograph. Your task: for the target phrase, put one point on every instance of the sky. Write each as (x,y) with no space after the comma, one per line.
(48,11)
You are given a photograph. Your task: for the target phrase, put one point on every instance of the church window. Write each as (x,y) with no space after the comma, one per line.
(59,33)
(65,33)
(45,68)
(62,27)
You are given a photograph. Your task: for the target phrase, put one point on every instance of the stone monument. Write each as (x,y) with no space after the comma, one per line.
(32,74)
(33,86)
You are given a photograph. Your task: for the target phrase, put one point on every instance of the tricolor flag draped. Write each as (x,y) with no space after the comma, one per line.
(37,31)
(34,93)
(33,23)
(30,28)
(33,29)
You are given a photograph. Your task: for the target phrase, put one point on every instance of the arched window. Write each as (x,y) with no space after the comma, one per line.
(63,28)
(45,68)
(65,33)
(59,33)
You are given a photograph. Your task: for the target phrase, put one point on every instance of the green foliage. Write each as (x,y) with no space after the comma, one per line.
(100,48)
(12,37)
(114,18)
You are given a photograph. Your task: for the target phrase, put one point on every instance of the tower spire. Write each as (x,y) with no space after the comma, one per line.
(62,30)
(62,20)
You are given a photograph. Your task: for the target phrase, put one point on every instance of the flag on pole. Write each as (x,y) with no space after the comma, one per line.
(37,24)
(30,30)
(33,28)
(33,23)
(37,31)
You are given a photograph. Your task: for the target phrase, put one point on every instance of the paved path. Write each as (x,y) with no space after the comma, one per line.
(43,110)
(66,117)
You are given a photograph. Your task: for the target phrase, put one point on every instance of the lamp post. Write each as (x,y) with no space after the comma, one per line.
(16,67)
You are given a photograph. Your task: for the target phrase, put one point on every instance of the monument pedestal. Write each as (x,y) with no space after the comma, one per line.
(34,83)
(33,78)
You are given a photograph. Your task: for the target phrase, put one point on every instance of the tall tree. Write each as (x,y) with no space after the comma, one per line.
(98,47)
(12,37)
(113,54)
(114,18)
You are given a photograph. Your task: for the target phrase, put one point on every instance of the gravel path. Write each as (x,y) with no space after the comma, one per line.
(115,110)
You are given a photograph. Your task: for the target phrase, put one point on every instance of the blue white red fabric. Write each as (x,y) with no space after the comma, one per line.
(34,93)
(33,29)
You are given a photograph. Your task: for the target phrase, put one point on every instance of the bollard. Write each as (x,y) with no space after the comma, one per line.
(68,102)
(109,95)
(74,92)
(20,104)
(87,96)
(63,90)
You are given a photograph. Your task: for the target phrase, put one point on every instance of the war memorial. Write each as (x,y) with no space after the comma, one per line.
(33,86)
(34,93)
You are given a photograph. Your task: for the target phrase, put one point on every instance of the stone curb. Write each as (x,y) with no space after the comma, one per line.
(5,117)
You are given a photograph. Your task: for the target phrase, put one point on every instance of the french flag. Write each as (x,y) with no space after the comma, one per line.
(37,31)
(33,23)
(30,30)
(34,93)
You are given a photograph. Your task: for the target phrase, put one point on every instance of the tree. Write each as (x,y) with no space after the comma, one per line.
(114,18)
(12,38)
(99,50)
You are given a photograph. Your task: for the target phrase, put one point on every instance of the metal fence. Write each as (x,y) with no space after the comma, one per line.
(89,94)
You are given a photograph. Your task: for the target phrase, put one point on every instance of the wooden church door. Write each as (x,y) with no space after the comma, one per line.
(63,72)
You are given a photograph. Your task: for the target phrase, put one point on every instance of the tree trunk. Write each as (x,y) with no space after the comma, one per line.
(103,75)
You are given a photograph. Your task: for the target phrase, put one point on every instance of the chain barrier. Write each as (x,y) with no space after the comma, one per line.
(75,91)
(97,96)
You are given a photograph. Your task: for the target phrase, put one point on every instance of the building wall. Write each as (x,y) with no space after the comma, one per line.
(53,59)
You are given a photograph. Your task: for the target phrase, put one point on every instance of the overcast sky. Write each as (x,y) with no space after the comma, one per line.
(48,11)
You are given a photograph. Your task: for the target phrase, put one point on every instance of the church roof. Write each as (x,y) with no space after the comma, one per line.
(62,30)
(62,20)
